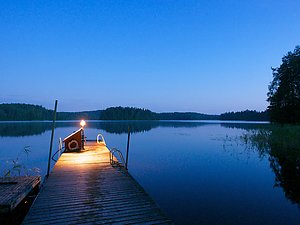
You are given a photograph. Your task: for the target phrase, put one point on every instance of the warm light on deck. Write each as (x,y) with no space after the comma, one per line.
(82,159)
(82,123)
(93,153)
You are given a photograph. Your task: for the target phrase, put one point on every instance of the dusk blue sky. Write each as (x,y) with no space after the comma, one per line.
(203,56)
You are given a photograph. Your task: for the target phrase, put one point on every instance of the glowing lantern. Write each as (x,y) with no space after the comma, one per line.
(82,123)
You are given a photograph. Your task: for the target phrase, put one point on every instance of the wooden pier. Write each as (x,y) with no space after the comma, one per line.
(83,188)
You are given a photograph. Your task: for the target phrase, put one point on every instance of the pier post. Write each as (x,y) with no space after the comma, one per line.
(51,141)
(82,139)
(127,150)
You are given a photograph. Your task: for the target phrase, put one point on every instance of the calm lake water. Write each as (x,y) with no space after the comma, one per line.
(198,172)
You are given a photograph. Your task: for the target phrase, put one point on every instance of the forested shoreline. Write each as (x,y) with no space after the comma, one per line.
(29,112)
(247,115)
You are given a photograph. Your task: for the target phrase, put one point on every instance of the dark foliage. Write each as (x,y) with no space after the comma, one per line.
(86,115)
(248,115)
(28,112)
(23,112)
(127,113)
(284,90)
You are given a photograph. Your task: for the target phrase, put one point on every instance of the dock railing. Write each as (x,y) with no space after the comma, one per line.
(116,154)
(60,150)
(102,139)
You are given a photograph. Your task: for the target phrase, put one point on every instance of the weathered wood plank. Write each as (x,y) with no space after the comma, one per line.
(14,189)
(84,188)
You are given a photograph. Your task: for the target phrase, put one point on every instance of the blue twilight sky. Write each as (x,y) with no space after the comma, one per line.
(167,55)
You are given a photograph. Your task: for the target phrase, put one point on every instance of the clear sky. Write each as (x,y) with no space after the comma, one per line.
(185,55)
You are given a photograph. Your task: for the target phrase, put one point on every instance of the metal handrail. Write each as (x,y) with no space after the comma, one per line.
(112,153)
(60,146)
(60,150)
(103,140)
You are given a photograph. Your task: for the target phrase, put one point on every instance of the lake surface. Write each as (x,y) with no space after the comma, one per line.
(203,172)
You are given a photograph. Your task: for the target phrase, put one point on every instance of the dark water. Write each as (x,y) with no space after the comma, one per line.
(198,172)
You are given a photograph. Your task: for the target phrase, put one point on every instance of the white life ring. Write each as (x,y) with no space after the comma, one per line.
(76,147)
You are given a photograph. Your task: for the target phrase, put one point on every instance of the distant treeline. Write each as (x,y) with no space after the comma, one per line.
(127,113)
(130,113)
(248,115)
(22,112)
(87,115)
(28,112)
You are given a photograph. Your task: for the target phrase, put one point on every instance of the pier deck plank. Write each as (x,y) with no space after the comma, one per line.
(14,189)
(84,188)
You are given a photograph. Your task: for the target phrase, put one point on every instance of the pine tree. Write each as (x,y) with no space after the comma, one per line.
(284,90)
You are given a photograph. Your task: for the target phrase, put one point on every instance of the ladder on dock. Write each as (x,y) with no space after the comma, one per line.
(83,188)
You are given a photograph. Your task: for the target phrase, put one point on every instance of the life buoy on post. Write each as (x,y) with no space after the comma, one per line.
(73,145)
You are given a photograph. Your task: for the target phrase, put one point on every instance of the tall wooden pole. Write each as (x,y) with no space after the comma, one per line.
(51,141)
(127,151)
(82,138)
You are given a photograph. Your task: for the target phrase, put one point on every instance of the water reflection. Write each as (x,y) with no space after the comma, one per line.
(121,127)
(21,129)
(281,145)
(246,126)
(183,166)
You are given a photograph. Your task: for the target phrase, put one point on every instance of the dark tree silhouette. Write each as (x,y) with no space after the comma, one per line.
(22,112)
(17,111)
(28,112)
(247,115)
(284,90)
(127,113)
